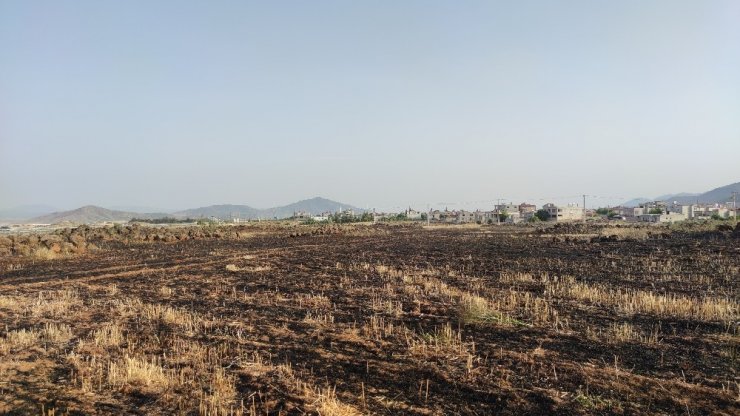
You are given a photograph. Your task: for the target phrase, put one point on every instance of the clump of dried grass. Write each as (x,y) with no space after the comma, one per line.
(110,335)
(135,371)
(55,304)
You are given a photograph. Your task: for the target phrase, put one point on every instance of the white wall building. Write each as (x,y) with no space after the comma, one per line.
(571,212)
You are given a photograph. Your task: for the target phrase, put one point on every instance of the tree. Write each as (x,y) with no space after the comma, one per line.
(542,214)
(655,211)
(503,215)
(424,216)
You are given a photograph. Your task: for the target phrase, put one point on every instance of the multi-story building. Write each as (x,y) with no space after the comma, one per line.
(571,212)
(525,208)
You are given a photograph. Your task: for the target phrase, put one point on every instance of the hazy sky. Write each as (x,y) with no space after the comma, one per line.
(376,103)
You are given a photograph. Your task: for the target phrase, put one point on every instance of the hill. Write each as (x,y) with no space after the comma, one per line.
(675,197)
(635,202)
(90,214)
(715,196)
(313,206)
(719,195)
(225,211)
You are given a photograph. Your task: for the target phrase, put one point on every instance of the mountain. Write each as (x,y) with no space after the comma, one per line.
(90,214)
(635,202)
(313,206)
(719,195)
(674,197)
(715,196)
(139,209)
(220,211)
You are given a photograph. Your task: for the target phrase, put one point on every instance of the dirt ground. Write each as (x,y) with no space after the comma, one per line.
(375,320)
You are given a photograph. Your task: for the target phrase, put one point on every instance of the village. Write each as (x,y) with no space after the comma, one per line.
(648,212)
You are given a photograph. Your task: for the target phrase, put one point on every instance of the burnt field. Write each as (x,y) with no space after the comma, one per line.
(374,320)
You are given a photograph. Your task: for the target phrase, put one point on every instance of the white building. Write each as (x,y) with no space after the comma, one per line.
(571,212)
(413,214)
(662,218)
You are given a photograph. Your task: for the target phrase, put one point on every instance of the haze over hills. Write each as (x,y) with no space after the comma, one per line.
(315,205)
(92,214)
(719,195)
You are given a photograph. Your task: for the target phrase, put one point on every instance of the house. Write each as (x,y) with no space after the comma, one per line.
(485,217)
(662,218)
(412,214)
(508,208)
(443,216)
(571,212)
(464,217)
(301,215)
(525,208)
(685,210)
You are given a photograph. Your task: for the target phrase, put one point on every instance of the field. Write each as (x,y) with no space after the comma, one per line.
(278,320)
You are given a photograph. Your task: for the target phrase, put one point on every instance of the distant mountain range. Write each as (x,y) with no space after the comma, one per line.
(312,206)
(715,196)
(92,214)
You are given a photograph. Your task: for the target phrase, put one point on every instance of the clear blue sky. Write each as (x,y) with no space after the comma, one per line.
(375,103)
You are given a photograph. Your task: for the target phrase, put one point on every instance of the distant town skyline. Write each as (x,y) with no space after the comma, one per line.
(176,105)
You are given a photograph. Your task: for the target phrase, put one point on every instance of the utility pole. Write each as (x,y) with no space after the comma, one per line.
(734,204)
(498,214)
(584,207)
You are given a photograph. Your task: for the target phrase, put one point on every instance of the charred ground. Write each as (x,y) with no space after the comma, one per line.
(371,320)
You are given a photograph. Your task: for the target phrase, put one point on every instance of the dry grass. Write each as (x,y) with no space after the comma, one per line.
(136,371)
(110,335)
(327,404)
(43,253)
(625,332)
(21,339)
(172,316)
(56,304)
(11,302)
(475,309)
(627,233)
(478,327)
(166,291)
(633,301)
(218,399)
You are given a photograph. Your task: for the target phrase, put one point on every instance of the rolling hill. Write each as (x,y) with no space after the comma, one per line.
(313,206)
(90,214)
(719,195)
(226,211)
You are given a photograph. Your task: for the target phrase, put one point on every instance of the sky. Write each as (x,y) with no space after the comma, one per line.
(380,104)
